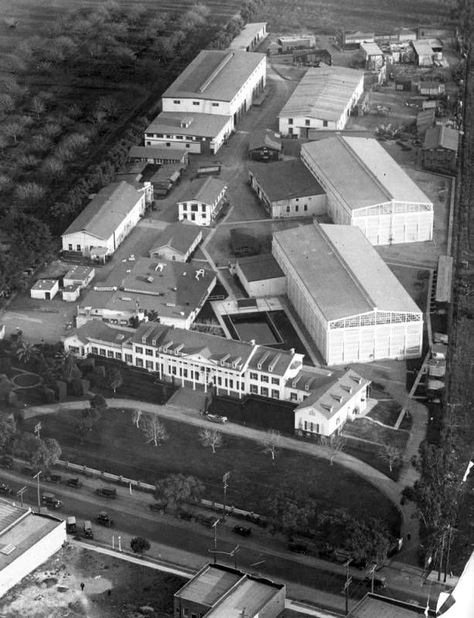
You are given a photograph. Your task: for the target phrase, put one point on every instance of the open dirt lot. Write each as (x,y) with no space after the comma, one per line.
(54,590)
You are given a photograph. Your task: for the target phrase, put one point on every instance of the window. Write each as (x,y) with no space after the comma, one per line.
(139,350)
(70,247)
(231,383)
(275,394)
(94,350)
(149,351)
(290,120)
(195,102)
(253,376)
(297,208)
(102,351)
(187,145)
(306,123)
(276,381)
(180,137)
(78,247)
(118,355)
(173,370)
(139,362)
(193,217)
(254,389)
(290,131)
(288,209)
(110,353)
(185,373)
(219,381)
(215,105)
(128,358)
(177,102)
(264,391)
(264,378)
(306,425)
(167,144)
(194,207)
(325,123)
(293,397)
(305,207)
(149,365)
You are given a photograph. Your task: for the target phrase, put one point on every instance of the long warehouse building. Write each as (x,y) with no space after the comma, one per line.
(365,187)
(353,306)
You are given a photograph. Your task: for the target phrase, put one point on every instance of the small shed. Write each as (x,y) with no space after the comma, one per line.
(373,56)
(45,289)
(440,149)
(261,276)
(351,39)
(296,41)
(431,88)
(71,293)
(423,53)
(264,145)
(425,120)
(80,275)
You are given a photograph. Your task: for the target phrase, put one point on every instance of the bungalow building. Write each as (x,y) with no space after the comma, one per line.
(261,276)
(103,224)
(290,42)
(45,289)
(440,149)
(423,53)
(177,242)
(158,156)
(250,37)
(204,199)
(373,56)
(287,189)
(264,145)
(82,275)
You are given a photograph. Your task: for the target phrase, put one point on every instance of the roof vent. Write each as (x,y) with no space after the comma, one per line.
(326,406)
(150,279)
(199,273)
(7,549)
(338,398)
(159,267)
(357,379)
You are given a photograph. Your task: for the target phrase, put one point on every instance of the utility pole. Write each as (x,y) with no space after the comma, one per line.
(37,477)
(214,525)
(20,493)
(225,478)
(346,585)
(372,577)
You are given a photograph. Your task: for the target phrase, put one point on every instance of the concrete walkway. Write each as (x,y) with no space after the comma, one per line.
(188,415)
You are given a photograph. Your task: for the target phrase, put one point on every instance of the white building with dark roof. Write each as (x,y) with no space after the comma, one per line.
(105,221)
(366,188)
(260,275)
(217,82)
(353,306)
(27,540)
(176,291)
(287,189)
(323,99)
(177,242)
(203,200)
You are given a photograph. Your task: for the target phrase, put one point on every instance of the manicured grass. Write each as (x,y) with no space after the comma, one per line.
(386,412)
(116,445)
(365,429)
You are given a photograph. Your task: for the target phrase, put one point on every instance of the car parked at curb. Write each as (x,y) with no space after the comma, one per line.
(104,519)
(216,418)
(242,530)
(54,478)
(74,482)
(5,489)
(51,501)
(6,462)
(106,492)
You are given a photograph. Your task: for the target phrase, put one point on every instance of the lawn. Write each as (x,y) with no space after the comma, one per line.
(117,446)
(367,430)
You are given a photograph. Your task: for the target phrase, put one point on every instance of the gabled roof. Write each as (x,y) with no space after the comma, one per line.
(362,172)
(182,123)
(371,48)
(152,152)
(323,93)
(249,32)
(265,138)
(284,180)
(178,236)
(330,397)
(274,361)
(214,74)
(342,271)
(96,330)
(106,210)
(441,136)
(205,190)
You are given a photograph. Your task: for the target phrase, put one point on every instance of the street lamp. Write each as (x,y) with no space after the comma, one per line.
(214,525)
(37,477)
(347,584)
(225,478)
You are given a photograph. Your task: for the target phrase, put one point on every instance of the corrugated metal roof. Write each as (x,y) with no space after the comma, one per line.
(248,34)
(151,152)
(178,236)
(205,190)
(282,180)
(342,271)
(216,75)
(371,49)
(181,123)
(106,210)
(322,93)
(372,606)
(264,138)
(441,136)
(362,172)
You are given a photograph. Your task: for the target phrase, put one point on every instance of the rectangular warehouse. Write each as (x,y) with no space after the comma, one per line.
(222,82)
(365,187)
(323,99)
(353,306)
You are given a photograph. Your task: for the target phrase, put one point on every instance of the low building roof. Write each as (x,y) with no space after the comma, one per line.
(441,136)
(376,606)
(260,268)
(289,38)
(173,289)
(362,172)
(328,398)
(265,138)
(214,74)
(151,152)
(284,180)
(209,585)
(81,273)
(371,48)
(182,123)
(205,190)
(248,598)
(274,361)
(96,330)
(342,271)
(179,237)
(106,210)
(422,47)
(46,285)
(323,93)
(248,34)
(358,34)
(167,172)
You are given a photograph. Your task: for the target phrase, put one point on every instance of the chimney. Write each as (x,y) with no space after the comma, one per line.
(292,351)
(252,342)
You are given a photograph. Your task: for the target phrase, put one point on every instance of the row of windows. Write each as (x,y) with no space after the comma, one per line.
(305,208)
(178,102)
(264,391)
(264,378)
(194,207)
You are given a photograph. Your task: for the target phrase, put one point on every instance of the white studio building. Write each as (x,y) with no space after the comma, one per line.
(27,540)
(366,188)
(260,275)
(203,201)
(104,223)
(218,82)
(323,99)
(353,306)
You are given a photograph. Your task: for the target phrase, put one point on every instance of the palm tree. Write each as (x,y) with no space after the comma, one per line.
(26,352)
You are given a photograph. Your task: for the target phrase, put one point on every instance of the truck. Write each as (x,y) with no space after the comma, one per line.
(106,492)
(51,501)
(71,525)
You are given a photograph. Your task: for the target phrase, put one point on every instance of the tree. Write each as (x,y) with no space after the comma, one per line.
(391,454)
(13,130)
(271,443)
(30,191)
(291,512)
(26,352)
(212,438)
(7,104)
(53,167)
(115,379)
(178,488)
(47,454)
(7,432)
(136,416)
(37,106)
(335,444)
(154,429)
(139,545)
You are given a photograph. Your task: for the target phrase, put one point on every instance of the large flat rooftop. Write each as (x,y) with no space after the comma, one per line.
(323,93)
(284,180)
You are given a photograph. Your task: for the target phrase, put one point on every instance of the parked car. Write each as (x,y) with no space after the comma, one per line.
(51,501)
(216,418)
(74,483)
(206,520)
(104,519)
(157,506)
(28,470)
(6,462)
(54,478)
(106,492)
(242,530)
(5,489)
(87,530)
(71,525)
(186,515)
(298,547)
(379,582)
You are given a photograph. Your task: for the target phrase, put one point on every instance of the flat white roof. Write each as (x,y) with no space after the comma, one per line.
(371,49)
(45,284)
(362,172)
(322,93)
(342,271)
